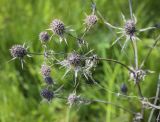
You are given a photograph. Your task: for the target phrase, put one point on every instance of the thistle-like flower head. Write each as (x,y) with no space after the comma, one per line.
(57,26)
(72,62)
(48,80)
(91,20)
(47,94)
(130,28)
(138,75)
(18,51)
(74,59)
(45,70)
(72,99)
(44,37)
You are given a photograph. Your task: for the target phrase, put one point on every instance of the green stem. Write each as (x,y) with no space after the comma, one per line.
(130,8)
(117,106)
(68,114)
(118,62)
(135,53)
(150,51)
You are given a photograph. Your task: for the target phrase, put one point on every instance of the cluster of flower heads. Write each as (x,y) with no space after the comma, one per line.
(46,71)
(80,64)
(74,62)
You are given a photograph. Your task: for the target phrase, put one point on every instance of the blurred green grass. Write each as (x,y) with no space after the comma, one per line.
(22,20)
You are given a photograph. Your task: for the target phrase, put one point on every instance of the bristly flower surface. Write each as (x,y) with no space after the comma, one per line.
(47,94)
(79,64)
(72,62)
(59,29)
(73,99)
(48,80)
(45,70)
(90,63)
(19,51)
(90,20)
(138,75)
(44,37)
(129,30)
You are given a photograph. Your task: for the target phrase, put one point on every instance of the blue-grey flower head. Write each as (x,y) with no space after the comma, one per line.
(45,70)
(47,94)
(74,59)
(18,51)
(73,99)
(48,80)
(43,37)
(124,88)
(57,26)
(130,27)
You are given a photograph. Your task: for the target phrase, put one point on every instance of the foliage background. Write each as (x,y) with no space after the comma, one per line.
(22,20)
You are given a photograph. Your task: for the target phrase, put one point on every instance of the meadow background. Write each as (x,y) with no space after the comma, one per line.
(22,21)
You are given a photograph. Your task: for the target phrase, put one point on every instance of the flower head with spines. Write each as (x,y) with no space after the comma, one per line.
(90,20)
(19,51)
(47,94)
(73,62)
(44,37)
(59,29)
(129,30)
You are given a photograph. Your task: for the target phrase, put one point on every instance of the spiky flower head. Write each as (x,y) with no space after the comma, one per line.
(91,61)
(47,94)
(124,88)
(48,80)
(73,99)
(44,37)
(130,27)
(91,20)
(74,59)
(138,75)
(18,51)
(57,26)
(45,70)
(73,62)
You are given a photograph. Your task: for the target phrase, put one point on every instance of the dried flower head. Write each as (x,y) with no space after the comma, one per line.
(73,99)
(44,37)
(48,80)
(18,51)
(137,117)
(124,88)
(45,70)
(138,75)
(91,20)
(47,94)
(90,63)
